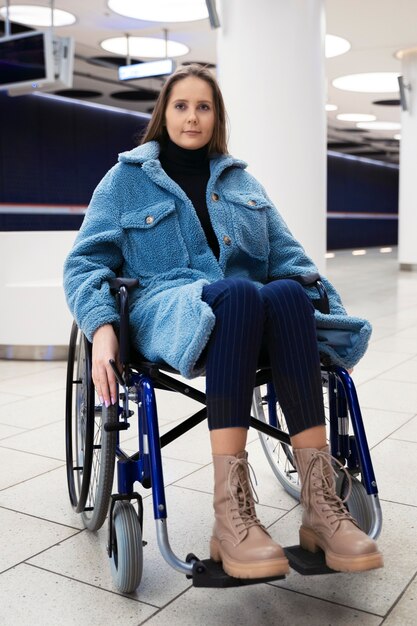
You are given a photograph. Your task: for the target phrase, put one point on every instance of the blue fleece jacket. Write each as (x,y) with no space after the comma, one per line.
(140,224)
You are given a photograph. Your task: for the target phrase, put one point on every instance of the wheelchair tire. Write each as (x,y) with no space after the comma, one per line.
(127,550)
(279,454)
(358,504)
(90,451)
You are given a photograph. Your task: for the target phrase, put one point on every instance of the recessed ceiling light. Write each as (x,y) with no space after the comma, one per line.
(161,10)
(149,47)
(334,46)
(358,252)
(397,136)
(356,117)
(33,15)
(385,250)
(373,82)
(379,125)
(331,107)
(329,255)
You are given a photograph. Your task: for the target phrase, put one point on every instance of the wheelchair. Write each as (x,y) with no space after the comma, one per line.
(93,434)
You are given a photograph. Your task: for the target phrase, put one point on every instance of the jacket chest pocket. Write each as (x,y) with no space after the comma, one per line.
(250,223)
(154,242)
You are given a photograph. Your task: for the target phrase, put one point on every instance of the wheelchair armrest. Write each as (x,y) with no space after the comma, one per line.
(312,280)
(129,283)
(121,286)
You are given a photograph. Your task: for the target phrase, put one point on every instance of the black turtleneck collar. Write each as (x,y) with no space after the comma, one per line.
(181,160)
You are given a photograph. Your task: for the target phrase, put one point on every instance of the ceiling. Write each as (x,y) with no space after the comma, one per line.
(376,29)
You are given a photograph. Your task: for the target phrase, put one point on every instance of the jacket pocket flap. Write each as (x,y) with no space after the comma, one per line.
(147,217)
(249,200)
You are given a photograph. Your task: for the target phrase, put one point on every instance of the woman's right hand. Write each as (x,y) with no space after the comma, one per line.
(105,347)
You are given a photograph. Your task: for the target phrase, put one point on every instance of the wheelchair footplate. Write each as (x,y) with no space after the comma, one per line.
(307,563)
(209,573)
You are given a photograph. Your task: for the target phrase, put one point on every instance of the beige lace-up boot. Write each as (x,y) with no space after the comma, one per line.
(239,540)
(326,522)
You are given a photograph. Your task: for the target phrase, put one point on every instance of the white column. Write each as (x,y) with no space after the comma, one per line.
(271,71)
(407,236)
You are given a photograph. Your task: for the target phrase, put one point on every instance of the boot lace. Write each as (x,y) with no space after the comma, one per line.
(319,479)
(243,495)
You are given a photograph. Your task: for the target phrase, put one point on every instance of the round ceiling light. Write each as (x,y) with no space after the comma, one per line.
(373,82)
(331,107)
(379,125)
(33,15)
(149,47)
(356,117)
(335,46)
(161,10)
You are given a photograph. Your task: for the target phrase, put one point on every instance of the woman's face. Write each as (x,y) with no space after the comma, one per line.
(189,114)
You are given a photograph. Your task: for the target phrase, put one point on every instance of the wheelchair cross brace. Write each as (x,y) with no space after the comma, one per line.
(145,466)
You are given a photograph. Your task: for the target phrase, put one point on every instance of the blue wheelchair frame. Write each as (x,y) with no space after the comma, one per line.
(145,466)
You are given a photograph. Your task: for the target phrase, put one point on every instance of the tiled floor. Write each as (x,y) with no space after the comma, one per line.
(52,571)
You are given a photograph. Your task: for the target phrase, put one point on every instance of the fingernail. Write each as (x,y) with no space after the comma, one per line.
(113,400)
(101,399)
(107,403)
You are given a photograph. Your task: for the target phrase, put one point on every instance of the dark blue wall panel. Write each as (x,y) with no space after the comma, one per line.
(362,203)
(55,152)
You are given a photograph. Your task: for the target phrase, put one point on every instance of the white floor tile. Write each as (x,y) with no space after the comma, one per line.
(45,496)
(408,432)
(35,411)
(16,467)
(405,612)
(23,536)
(18,369)
(389,395)
(406,372)
(33,596)
(395,464)
(37,383)
(7,398)
(47,441)
(9,431)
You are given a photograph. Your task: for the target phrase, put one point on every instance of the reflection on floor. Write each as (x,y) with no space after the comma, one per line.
(52,571)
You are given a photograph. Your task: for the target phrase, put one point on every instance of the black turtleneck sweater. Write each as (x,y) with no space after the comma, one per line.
(190,169)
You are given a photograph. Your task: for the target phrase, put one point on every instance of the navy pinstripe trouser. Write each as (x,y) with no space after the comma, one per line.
(277,319)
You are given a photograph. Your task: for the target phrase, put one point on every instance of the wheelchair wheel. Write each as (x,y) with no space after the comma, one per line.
(281,459)
(127,550)
(90,450)
(358,503)
(279,455)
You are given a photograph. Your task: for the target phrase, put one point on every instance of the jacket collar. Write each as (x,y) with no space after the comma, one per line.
(147,155)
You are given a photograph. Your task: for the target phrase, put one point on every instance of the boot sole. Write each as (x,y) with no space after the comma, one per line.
(261,569)
(340,563)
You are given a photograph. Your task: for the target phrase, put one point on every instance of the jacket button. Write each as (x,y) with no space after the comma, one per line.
(149,219)
(252,203)
(227,240)
(215,197)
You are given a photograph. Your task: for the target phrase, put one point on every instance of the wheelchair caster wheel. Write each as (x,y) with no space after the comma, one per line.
(127,553)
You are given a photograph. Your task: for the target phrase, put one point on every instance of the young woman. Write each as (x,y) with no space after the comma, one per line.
(203,238)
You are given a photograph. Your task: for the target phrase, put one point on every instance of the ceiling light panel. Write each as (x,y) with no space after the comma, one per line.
(331,107)
(161,10)
(335,46)
(33,15)
(147,47)
(379,125)
(373,82)
(356,117)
